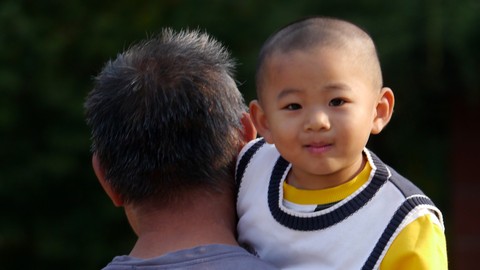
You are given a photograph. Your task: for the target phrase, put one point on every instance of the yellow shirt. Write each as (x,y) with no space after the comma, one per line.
(420,245)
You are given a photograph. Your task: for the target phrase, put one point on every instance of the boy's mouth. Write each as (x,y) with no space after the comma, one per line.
(318,148)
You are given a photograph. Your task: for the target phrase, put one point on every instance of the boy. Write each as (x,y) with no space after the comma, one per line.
(325,201)
(167,122)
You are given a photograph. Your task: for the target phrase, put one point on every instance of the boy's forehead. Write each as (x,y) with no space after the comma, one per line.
(312,34)
(318,59)
(316,55)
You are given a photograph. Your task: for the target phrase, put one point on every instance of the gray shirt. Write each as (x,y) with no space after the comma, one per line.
(212,257)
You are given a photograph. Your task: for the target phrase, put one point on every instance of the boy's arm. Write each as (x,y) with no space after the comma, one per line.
(420,245)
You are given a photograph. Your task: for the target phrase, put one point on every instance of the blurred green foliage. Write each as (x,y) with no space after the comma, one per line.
(54,213)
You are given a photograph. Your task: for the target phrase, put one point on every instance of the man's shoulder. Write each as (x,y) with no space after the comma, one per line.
(215,256)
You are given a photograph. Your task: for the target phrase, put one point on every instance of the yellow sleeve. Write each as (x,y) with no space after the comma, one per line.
(420,245)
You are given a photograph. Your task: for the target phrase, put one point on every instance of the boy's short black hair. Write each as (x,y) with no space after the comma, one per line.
(310,32)
(165,116)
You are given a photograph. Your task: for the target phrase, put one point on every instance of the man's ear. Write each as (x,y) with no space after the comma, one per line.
(100,173)
(260,120)
(384,110)
(249,130)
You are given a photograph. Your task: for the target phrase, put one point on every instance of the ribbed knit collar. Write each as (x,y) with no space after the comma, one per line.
(329,217)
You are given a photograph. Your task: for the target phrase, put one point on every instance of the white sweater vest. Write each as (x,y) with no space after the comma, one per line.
(355,233)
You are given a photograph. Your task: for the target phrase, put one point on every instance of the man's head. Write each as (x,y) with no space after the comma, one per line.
(166,117)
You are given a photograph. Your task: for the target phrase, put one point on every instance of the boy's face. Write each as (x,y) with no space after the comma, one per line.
(318,107)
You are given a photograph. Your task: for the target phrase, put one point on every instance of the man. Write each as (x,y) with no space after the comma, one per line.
(167,122)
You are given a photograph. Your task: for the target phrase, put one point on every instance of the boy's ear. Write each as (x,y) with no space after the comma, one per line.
(100,173)
(384,110)
(260,121)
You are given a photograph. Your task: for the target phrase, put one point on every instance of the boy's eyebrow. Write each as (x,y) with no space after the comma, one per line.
(286,92)
(337,86)
(330,87)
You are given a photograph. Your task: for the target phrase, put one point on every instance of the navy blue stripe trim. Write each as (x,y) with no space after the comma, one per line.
(404,185)
(245,160)
(395,222)
(329,219)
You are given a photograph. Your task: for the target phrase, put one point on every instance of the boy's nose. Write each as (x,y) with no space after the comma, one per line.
(317,120)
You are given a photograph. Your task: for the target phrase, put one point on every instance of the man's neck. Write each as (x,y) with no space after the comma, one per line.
(208,220)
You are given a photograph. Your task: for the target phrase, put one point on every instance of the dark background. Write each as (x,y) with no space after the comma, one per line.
(54,214)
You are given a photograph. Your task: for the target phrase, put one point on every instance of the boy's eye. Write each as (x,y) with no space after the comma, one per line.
(293,106)
(336,102)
